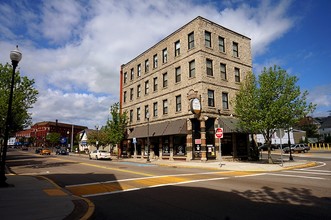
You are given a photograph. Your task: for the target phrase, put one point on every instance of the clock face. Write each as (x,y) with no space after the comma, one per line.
(195,106)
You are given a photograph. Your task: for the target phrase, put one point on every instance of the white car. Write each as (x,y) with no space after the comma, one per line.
(99,154)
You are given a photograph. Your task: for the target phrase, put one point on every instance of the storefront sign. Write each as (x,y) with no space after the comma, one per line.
(195,106)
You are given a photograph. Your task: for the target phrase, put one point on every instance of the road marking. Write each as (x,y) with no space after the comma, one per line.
(105,167)
(295,176)
(124,185)
(308,172)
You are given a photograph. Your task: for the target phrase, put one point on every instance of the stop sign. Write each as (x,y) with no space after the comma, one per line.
(219,132)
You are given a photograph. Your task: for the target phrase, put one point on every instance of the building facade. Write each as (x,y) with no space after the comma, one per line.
(178,91)
(38,132)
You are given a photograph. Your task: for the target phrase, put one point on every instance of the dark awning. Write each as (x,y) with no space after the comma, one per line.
(176,127)
(230,124)
(160,129)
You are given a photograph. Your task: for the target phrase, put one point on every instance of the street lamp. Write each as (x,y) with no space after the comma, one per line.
(15,56)
(147,117)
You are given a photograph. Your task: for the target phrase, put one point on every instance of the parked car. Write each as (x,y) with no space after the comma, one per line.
(45,151)
(265,147)
(99,154)
(38,150)
(61,152)
(297,148)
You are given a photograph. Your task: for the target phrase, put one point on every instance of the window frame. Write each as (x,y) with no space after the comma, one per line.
(155,112)
(190,39)
(177,48)
(146,87)
(237,74)
(221,44)
(211,98)
(165,55)
(155,84)
(208,41)
(191,70)
(165,80)
(209,70)
(225,101)
(235,49)
(165,106)
(155,62)
(178,75)
(146,66)
(223,73)
(178,103)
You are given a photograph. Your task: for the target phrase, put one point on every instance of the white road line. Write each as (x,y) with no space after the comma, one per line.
(307,172)
(295,176)
(150,177)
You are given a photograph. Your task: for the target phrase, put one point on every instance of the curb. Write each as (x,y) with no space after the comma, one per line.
(90,205)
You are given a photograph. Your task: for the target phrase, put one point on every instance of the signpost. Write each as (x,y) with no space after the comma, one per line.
(219,135)
(280,133)
(134,141)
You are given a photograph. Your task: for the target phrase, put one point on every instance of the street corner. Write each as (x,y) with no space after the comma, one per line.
(301,166)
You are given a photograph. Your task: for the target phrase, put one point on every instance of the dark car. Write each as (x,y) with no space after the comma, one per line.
(38,150)
(61,152)
(265,147)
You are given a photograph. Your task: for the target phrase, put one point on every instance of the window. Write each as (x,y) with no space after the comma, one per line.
(138,114)
(131,94)
(225,100)
(155,109)
(221,44)
(125,77)
(131,115)
(207,39)
(191,40)
(192,68)
(223,71)
(146,112)
(178,103)
(177,48)
(211,98)
(235,49)
(138,91)
(124,97)
(164,55)
(132,74)
(155,61)
(146,87)
(155,84)
(177,75)
(236,74)
(146,66)
(139,70)
(209,67)
(165,80)
(165,106)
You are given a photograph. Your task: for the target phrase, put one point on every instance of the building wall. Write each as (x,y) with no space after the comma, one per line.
(187,87)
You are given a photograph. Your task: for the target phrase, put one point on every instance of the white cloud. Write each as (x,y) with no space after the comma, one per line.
(87,41)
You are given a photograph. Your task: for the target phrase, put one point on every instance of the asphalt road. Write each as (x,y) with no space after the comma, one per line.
(125,190)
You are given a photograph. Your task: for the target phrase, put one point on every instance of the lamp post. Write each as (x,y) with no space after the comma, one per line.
(15,56)
(147,116)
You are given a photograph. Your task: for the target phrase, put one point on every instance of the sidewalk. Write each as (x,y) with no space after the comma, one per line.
(36,197)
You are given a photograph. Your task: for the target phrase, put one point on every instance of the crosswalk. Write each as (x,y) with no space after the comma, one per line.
(125,185)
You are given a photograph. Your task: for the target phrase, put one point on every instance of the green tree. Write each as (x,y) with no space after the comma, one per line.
(97,138)
(24,96)
(53,138)
(274,101)
(116,125)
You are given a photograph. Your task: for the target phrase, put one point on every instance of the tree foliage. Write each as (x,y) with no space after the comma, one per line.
(53,138)
(24,96)
(271,102)
(116,125)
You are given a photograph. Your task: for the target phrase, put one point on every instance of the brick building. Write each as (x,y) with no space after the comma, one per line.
(39,131)
(178,91)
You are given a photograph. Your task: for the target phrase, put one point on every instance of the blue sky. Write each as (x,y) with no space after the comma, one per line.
(74,49)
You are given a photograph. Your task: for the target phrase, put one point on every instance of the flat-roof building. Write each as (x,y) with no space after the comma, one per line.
(178,91)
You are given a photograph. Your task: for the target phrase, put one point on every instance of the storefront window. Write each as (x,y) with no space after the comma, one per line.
(179,145)
(165,146)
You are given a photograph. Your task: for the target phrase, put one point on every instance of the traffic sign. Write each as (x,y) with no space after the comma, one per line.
(219,132)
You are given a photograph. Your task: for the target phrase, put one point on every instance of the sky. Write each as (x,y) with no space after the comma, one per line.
(74,49)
